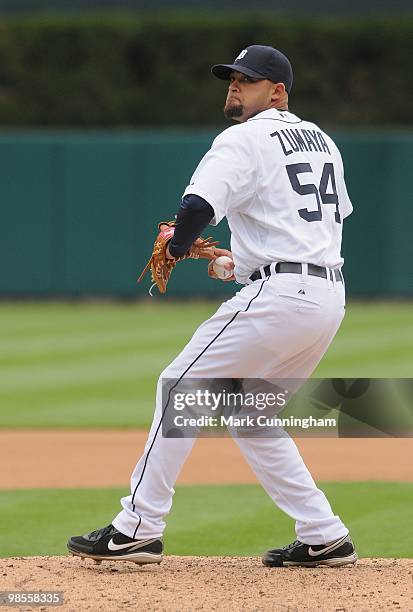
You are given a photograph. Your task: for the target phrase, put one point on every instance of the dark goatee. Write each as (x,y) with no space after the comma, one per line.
(233,111)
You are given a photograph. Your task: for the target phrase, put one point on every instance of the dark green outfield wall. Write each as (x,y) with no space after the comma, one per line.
(79,211)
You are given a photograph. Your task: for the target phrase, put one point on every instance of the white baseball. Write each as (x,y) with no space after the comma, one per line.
(219,267)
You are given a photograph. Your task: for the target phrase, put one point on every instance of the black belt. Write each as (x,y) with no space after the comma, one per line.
(289,267)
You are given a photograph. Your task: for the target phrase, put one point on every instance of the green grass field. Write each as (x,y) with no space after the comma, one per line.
(82,365)
(96,364)
(207,520)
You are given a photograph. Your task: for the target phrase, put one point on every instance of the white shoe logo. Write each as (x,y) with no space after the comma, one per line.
(333,546)
(113,546)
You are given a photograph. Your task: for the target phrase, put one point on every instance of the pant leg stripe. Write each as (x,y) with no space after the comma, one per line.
(177,382)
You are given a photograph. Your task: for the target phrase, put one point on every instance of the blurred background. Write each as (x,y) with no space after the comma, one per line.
(106,108)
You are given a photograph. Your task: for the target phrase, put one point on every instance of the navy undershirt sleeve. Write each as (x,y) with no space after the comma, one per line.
(193,216)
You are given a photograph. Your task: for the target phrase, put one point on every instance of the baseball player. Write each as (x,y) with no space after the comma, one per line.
(279,181)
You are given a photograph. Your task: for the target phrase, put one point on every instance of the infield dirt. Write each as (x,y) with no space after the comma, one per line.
(75,459)
(186,584)
(216,583)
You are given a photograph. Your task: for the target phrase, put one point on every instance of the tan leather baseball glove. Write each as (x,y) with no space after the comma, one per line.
(161,266)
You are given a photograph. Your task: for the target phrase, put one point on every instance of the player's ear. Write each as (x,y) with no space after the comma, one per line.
(277,92)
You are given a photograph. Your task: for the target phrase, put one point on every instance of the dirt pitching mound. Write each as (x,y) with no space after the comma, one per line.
(213,583)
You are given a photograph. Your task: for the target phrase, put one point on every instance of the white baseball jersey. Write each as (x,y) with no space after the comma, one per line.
(279,181)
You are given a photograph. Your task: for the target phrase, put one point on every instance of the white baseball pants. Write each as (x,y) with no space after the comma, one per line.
(267,330)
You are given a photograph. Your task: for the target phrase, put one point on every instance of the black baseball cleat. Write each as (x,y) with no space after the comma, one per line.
(109,544)
(339,552)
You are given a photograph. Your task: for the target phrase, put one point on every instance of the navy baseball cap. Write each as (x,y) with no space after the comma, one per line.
(259,62)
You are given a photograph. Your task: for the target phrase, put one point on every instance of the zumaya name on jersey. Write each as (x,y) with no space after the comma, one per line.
(293,140)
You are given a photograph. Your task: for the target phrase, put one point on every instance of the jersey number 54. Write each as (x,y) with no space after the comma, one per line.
(320,193)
